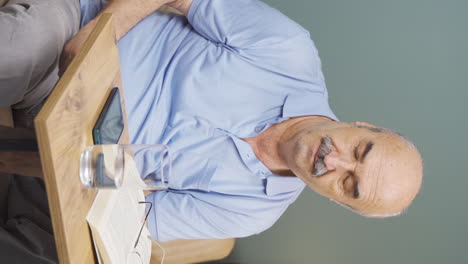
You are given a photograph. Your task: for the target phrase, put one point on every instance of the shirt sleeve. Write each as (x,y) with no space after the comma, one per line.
(241,24)
(201,215)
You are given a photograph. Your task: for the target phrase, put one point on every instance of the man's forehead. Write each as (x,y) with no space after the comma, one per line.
(383,173)
(378,157)
(380,164)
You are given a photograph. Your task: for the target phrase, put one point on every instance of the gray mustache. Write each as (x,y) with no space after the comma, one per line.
(325,148)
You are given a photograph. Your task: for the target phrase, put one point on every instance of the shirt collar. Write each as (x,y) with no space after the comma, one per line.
(248,157)
(274,184)
(308,103)
(283,184)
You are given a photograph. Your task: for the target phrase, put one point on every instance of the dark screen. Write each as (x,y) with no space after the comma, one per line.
(110,124)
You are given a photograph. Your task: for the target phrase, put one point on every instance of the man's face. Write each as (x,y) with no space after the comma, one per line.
(371,172)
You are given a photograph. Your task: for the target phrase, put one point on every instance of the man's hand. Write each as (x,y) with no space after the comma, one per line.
(74,45)
(127,13)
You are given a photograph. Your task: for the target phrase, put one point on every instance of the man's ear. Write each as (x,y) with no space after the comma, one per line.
(364,124)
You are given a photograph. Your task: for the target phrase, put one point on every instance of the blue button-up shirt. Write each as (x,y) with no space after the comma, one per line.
(199,84)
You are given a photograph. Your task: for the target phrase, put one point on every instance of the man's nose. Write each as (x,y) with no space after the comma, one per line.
(339,161)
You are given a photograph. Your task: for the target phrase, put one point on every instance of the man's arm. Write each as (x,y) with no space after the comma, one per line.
(126,13)
(259,33)
(203,215)
(239,24)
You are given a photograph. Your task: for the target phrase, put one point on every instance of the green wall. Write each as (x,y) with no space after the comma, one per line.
(402,64)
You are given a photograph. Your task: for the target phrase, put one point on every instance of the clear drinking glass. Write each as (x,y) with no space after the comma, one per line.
(143,167)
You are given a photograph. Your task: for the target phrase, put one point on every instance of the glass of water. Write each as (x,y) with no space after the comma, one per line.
(142,167)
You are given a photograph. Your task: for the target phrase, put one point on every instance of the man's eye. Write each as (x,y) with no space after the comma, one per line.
(356,193)
(356,153)
(346,182)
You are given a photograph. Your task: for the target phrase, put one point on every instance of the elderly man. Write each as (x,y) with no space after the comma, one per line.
(236,91)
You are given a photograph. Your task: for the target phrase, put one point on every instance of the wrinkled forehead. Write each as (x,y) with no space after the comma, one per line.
(393,174)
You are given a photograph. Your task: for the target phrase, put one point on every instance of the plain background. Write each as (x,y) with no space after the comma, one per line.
(402,64)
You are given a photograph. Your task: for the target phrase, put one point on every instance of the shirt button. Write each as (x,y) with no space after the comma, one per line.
(248,155)
(259,128)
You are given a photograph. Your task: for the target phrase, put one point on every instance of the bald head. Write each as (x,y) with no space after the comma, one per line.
(370,170)
(401,176)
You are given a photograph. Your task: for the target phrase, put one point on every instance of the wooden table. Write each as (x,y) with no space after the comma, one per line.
(64,130)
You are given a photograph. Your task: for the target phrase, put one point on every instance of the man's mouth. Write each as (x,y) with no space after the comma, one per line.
(314,158)
(325,147)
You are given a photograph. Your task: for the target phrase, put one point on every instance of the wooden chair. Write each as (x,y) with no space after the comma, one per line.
(18,148)
(6,117)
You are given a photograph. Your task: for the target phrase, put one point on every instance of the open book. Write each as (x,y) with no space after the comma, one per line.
(115,219)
